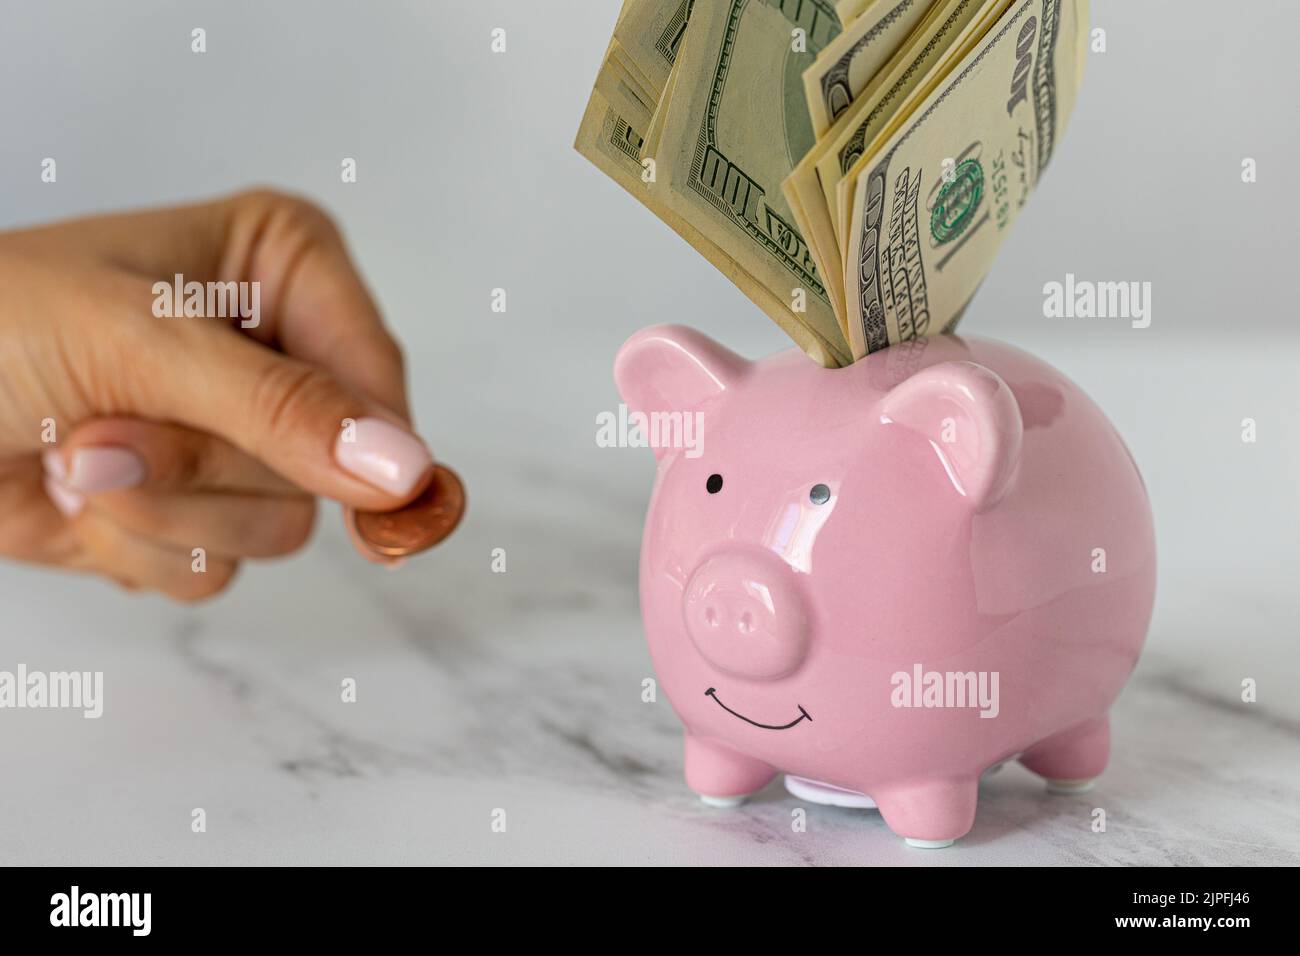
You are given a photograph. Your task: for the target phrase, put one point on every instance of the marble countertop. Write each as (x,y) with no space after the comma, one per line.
(520,691)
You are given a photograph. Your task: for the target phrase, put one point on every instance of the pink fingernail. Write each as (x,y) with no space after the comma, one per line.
(67,501)
(382,454)
(52,462)
(104,469)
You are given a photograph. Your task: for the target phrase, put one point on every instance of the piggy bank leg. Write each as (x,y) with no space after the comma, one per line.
(1072,759)
(931,814)
(721,775)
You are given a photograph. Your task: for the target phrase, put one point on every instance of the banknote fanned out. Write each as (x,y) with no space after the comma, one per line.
(851,165)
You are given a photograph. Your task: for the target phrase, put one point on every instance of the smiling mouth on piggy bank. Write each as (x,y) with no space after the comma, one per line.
(803,714)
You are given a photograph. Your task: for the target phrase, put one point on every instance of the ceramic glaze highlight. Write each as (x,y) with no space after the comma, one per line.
(975,494)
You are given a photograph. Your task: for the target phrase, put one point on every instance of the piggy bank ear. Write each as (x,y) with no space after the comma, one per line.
(971,420)
(670,368)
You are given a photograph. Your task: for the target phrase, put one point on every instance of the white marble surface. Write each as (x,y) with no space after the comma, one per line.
(521,690)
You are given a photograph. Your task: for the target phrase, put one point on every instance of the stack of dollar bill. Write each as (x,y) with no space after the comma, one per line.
(852,165)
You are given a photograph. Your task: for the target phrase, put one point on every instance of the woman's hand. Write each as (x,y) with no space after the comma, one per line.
(129,440)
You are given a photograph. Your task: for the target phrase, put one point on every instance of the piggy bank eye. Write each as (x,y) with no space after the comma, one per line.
(819,495)
(714,484)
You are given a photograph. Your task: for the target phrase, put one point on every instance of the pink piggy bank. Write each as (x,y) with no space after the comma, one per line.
(887,579)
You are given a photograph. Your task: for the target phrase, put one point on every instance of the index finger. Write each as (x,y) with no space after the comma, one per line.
(312,303)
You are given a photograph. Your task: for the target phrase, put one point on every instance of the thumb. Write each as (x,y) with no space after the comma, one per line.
(297,418)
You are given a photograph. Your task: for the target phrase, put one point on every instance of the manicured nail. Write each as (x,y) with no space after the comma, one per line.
(104,469)
(383,454)
(52,462)
(67,501)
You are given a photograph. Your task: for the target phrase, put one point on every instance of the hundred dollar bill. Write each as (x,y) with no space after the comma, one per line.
(831,85)
(656,128)
(622,90)
(849,62)
(735,128)
(650,33)
(889,97)
(618,58)
(615,146)
(812,187)
(957,26)
(934,201)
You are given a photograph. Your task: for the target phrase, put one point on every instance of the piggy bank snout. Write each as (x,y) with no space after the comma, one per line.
(746,615)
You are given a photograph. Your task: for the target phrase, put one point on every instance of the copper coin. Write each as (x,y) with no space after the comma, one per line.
(419,525)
